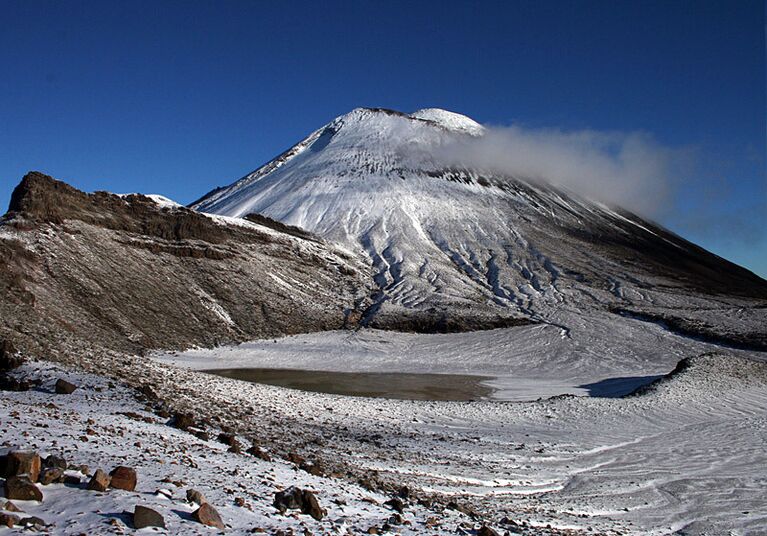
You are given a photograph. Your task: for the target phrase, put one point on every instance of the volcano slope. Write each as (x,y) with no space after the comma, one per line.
(130,273)
(457,248)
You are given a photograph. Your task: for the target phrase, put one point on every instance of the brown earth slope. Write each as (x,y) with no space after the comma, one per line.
(125,273)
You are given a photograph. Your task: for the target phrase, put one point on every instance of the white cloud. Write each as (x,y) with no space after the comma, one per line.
(630,170)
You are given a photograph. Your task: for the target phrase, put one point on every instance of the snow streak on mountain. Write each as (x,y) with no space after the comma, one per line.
(473,247)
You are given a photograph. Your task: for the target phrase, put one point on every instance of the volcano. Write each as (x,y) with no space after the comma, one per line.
(458,247)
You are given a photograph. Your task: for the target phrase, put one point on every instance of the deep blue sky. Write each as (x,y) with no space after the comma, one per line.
(178,97)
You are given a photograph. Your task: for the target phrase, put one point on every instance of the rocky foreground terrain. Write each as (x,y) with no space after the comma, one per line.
(92,283)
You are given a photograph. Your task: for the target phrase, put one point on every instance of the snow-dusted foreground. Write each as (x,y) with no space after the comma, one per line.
(687,456)
(90,427)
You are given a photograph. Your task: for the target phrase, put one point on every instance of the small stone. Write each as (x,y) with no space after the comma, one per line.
(21,488)
(239,501)
(487,531)
(23,463)
(10,507)
(207,515)
(194,496)
(8,520)
(63,387)
(71,480)
(146,517)
(123,478)
(51,475)
(99,481)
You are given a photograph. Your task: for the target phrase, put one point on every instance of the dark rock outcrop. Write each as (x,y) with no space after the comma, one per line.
(183,279)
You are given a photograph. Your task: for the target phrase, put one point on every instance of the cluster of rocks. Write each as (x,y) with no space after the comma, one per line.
(25,472)
(10,360)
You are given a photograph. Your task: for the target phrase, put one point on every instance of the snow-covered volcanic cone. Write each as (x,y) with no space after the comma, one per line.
(462,248)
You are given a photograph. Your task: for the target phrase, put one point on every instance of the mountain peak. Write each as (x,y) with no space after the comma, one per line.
(446,120)
(450,120)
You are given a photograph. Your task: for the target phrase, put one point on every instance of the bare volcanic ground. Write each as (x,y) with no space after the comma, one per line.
(126,273)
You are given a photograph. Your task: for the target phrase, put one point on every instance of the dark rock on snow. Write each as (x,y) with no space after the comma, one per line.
(8,520)
(9,359)
(207,515)
(21,488)
(294,498)
(99,481)
(23,463)
(10,507)
(63,387)
(51,475)
(55,461)
(194,496)
(123,478)
(146,517)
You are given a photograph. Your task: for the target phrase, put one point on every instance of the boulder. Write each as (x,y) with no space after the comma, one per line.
(123,478)
(312,506)
(294,498)
(51,475)
(99,481)
(231,440)
(21,488)
(23,463)
(207,515)
(194,496)
(55,461)
(10,507)
(9,358)
(63,387)
(71,480)
(396,504)
(288,499)
(183,421)
(487,531)
(8,520)
(146,517)
(9,383)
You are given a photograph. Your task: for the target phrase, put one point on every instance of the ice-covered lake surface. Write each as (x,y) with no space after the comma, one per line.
(686,458)
(604,356)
